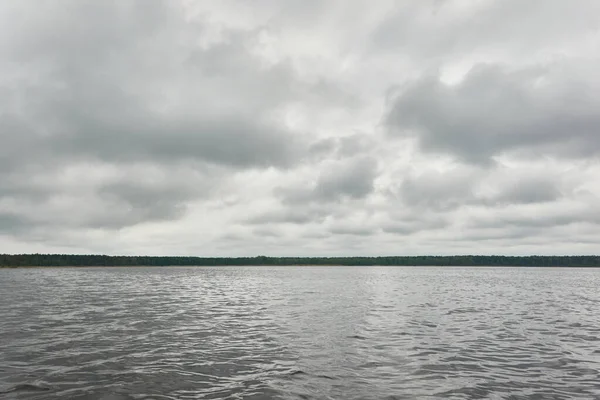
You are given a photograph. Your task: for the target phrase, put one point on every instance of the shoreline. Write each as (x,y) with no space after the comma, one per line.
(480,261)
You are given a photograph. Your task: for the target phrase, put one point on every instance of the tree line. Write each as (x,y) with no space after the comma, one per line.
(60,260)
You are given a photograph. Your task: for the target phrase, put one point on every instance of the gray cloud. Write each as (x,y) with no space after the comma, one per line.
(495,110)
(228,141)
(11,223)
(529,191)
(113,200)
(267,233)
(408,225)
(129,203)
(437,30)
(453,188)
(132,86)
(354,180)
(438,190)
(348,179)
(289,215)
(352,230)
(116,101)
(540,219)
(343,148)
(295,127)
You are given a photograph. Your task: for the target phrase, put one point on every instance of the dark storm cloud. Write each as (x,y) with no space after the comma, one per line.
(496,110)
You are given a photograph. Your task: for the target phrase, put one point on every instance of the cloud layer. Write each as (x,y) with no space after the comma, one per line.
(299,127)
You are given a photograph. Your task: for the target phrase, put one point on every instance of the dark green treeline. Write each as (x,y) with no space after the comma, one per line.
(18,260)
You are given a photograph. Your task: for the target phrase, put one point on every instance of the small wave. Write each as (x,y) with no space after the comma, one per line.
(463,311)
(297,372)
(325,377)
(358,337)
(25,387)
(171,333)
(302,373)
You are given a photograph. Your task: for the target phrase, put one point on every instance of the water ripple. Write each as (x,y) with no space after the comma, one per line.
(299,333)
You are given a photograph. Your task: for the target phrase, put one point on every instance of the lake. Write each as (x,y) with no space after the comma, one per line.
(299,333)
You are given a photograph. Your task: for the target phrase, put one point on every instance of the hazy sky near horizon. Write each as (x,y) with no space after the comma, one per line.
(300,127)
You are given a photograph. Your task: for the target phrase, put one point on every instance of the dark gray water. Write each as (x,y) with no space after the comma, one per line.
(305,332)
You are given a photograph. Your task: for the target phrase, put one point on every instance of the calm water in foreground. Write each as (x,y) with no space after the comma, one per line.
(300,332)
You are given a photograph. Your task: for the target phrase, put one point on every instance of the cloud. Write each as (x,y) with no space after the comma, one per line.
(299,127)
(541,217)
(104,197)
(115,101)
(494,111)
(438,190)
(354,180)
(344,146)
(228,142)
(133,86)
(446,29)
(289,216)
(163,199)
(409,226)
(11,223)
(345,180)
(529,191)
(467,186)
(352,230)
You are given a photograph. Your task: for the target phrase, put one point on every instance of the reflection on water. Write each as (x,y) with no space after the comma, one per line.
(299,332)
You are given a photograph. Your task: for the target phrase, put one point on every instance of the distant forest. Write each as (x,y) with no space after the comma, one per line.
(57,260)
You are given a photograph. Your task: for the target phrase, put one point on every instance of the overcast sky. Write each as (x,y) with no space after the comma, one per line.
(300,127)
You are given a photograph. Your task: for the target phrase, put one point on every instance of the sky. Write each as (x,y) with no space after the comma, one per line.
(300,127)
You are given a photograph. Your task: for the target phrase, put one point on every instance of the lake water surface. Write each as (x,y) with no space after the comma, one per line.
(299,333)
